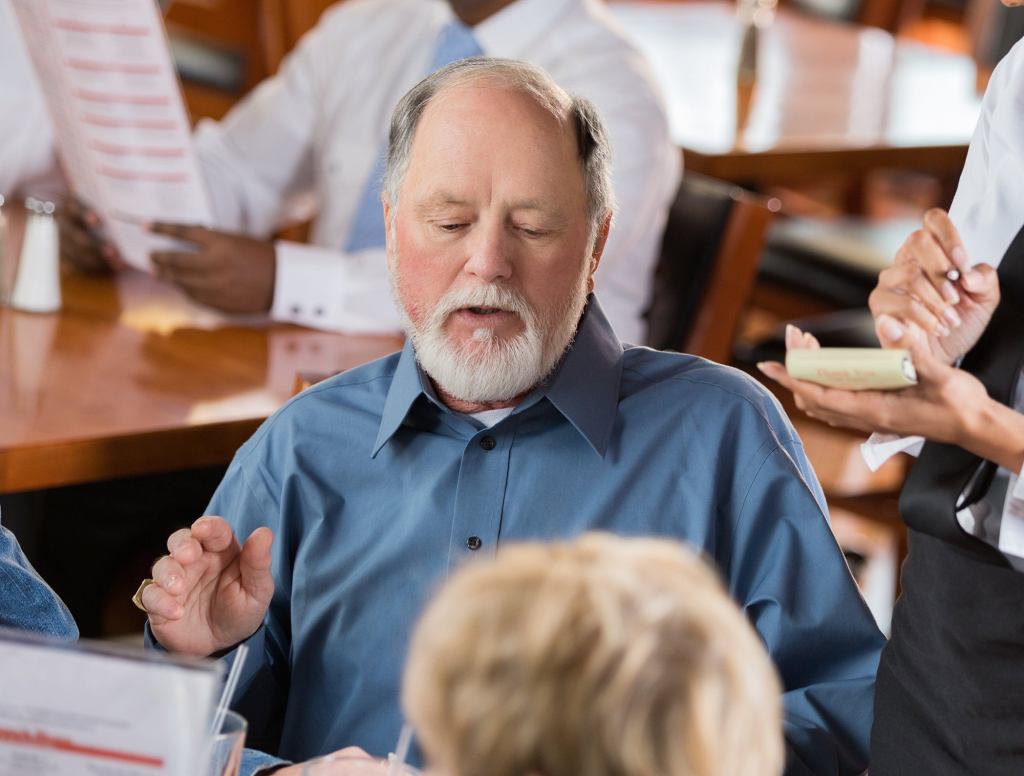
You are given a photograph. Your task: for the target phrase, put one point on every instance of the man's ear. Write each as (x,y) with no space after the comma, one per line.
(600,240)
(388,215)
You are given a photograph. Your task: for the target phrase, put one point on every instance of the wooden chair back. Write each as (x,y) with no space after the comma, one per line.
(708,263)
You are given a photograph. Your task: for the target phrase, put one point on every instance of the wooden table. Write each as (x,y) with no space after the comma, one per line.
(131,378)
(828,96)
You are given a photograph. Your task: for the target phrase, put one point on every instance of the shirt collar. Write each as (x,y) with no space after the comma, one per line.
(511,31)
(584,388)
(407,385)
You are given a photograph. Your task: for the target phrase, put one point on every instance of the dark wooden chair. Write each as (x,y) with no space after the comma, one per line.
(708,262)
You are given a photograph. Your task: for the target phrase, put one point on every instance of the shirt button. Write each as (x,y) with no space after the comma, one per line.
(487,443)
(296,309)
(474,542)
(319,312)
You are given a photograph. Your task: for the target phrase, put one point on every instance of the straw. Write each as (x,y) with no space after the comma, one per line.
(229,687)
(396,761)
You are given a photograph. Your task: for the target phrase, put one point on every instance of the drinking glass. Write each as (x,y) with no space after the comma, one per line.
(226,750)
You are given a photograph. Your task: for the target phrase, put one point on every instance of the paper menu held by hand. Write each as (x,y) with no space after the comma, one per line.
(122,131)
(73,710)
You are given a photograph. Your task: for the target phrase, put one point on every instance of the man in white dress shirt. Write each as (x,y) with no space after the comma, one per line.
(950,688)
(309,140)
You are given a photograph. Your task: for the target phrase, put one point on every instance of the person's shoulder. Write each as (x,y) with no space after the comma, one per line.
(691,381)
(336,403)
(1008,75)
(367,383)
(588,36)
(594,21)
(589,55)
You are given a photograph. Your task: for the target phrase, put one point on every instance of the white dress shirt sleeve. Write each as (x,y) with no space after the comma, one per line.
(260,155)
(327,289)
(1011,525)
(879,448)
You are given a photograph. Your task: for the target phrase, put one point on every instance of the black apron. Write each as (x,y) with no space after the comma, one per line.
(950,691)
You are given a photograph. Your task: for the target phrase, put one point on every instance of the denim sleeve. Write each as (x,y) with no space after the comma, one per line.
(253,762)
(26,601)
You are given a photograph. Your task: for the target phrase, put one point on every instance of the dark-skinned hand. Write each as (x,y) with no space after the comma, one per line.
(230,272)
(81,243)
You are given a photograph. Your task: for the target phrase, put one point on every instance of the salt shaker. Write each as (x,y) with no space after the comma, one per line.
(37,281)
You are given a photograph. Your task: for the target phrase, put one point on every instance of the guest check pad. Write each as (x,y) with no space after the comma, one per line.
(96,710)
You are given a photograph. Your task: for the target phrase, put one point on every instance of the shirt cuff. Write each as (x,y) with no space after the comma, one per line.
(327,289)
(881,447)
(1017,492)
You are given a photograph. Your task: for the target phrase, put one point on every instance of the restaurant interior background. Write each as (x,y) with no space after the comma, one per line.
(814,137)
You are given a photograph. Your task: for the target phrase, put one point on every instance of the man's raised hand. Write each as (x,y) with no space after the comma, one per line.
(209,593)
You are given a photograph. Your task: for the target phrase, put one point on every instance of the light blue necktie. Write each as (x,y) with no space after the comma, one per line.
(455,42)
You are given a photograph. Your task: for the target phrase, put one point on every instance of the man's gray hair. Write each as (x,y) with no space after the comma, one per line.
(591,137)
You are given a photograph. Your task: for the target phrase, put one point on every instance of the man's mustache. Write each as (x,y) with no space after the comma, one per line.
(491,295)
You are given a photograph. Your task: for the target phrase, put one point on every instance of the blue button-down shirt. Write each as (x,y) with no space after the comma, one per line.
(26,601)
(376,491)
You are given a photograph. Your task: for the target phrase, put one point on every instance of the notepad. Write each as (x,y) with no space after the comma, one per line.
(853,369)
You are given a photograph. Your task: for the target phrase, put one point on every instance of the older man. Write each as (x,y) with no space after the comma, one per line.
(513,412)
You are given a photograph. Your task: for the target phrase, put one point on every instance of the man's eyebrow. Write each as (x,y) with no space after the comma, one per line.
(441,200)
(436,201)
(533,204)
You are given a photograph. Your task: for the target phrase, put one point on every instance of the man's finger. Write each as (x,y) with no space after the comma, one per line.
(179,261)
(214,533)
(254,564)
(177,540)
(198,284)
(169,574)
(160,603)
(188,232)
(940,226)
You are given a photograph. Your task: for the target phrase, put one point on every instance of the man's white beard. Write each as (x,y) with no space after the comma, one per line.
(490,368)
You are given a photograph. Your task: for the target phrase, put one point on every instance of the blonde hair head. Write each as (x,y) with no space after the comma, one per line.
(604,656)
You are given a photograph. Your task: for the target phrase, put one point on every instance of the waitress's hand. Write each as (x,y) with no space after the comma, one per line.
(916,290)
(943,406)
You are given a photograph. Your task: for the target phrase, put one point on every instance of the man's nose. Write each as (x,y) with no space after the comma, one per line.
(490,256)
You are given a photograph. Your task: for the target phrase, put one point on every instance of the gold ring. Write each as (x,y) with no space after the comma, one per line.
(137,598)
